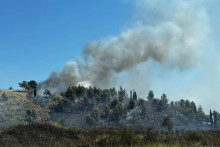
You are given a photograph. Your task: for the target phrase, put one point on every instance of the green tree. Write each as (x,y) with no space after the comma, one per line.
(150,96)
(97,92)
(71,93)
(105,95)
(160,106)
(114,103)
(211,118)
(143,105)
(30,116)
(121,94)
(80,91)
(25,85)
(187,103)
(106,111)
(135,95)
(90,120)
(118,113)
(58,104)
(200,114)
(90,93)
(215,119)
(94,117)
(113,92)
(164,100)
(167,123)
(155,102)
(32,84)
(96,114)
(131,104)
(182,103)
(85,101)
(193,107)
(172,104)
(141,102)
(4,97)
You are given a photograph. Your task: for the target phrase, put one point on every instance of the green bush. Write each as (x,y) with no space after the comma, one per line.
(118,112)
(4,97)
(192,136)
(131,104)
(90,120)
(128,137)
(30,116)
(149,136)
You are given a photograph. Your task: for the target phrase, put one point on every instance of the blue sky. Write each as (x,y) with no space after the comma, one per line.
(37,37)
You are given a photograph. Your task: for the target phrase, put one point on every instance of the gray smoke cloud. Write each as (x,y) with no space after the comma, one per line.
(170,32)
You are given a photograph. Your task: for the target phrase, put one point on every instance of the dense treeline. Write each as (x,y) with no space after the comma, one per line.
(112,105)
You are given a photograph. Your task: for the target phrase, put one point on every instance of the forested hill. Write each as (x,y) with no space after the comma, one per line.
(82,107)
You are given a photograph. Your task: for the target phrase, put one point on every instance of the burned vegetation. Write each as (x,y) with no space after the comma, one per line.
(92,107)
(82,107)
(113,117)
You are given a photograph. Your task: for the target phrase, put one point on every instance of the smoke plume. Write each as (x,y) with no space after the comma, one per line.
(172,33)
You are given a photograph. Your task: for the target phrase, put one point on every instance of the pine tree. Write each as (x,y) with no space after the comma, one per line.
(121,94)
(131,104)
(164,100)
(106,111)
(193,107)
(135,95)
(96,114)
(210,118)
(167,123)
(143,105)
(215,119)
(150,95)
(131,94)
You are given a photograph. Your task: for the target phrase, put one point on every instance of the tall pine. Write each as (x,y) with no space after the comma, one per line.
(215,119)
(210,118)
(150,96)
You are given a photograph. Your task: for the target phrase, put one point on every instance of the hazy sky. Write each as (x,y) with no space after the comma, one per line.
(38,37)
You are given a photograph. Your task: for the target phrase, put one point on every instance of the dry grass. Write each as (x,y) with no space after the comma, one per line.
(13,110)
(54,135)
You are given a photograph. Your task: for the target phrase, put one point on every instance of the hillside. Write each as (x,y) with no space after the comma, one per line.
(13,107)
(81,107)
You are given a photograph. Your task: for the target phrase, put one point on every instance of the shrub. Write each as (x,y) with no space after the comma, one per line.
(4,97)
(114,103)
(30,116)
(191,136)
(149,136)
(90,120)
(131,104)
(128,137)
(118,112)
(106,111)
(96,114)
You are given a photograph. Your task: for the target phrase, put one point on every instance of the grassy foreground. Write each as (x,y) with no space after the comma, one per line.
(58,136)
